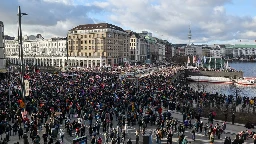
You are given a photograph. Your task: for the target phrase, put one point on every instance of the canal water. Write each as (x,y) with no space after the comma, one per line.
(249,69)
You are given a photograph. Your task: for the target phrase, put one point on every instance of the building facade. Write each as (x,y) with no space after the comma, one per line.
(169,51)
(138,47)
(40,52)
(193,50)
(239,50)
(2,47)
(217,53)
(89,45)
(98,44)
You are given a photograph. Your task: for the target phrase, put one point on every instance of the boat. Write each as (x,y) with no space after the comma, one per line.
(210,79)
(220,80)
(245,81)
(198,78)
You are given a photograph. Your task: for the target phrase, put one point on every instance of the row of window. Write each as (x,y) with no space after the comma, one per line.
(41,45)
(85,48)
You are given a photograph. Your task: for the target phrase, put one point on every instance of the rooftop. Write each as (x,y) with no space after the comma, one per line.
(244,46)
(241,46)
(97,26)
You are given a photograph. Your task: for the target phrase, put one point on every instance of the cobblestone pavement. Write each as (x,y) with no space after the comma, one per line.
(200,138)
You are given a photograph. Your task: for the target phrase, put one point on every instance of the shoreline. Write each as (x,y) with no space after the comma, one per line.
(243,114)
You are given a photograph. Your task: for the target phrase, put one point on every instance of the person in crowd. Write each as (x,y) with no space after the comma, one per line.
(86,102)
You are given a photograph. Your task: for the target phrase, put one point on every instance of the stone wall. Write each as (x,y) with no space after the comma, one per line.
(215,74)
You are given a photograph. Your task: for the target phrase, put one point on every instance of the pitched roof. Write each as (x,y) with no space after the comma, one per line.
(244,46)
(96,26)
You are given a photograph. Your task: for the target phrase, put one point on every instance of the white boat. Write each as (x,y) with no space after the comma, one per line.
(220,80)
(245,81)
(210,79)
(198,78)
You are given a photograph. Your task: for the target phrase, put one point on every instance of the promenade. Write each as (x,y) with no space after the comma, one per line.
(231,131)
(92,101)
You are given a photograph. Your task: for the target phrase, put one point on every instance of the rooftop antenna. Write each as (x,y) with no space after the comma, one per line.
(189,35)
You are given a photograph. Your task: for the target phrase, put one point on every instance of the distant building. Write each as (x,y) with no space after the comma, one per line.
(38,51)
(240,50)
(169,51)
(138,47)
(6,37)
(193,50)
(215,53)
(146,33)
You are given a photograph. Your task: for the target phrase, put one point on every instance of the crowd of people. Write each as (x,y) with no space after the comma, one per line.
(92,100)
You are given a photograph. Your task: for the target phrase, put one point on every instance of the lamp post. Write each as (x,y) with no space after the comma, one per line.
(21,54)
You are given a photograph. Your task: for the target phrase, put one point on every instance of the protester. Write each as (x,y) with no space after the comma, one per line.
(88,100)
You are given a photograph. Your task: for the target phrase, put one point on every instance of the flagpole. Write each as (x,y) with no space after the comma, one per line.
(215,64)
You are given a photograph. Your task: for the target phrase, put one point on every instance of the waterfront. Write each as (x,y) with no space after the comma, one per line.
(249,69)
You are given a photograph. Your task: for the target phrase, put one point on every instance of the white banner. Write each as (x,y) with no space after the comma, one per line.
(26,82)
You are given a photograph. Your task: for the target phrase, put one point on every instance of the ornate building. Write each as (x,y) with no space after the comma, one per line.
(98,44)
(38,51)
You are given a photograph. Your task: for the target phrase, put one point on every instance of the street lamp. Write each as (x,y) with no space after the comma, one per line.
(21,54)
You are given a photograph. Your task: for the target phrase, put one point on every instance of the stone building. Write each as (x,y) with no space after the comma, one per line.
(98,44)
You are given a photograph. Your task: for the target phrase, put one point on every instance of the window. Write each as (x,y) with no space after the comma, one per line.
(89,47)
(89,41)
(81,42)
(85,42)
(89,36)
(92,41)
(85,47)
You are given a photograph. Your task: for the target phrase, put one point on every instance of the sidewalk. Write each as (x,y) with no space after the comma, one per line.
(231,129)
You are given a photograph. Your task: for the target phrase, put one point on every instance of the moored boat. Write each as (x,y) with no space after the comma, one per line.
(245,81)
(210,79)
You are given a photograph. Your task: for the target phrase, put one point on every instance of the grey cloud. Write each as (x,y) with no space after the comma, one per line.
(50,18)
(208,18)
(46,13)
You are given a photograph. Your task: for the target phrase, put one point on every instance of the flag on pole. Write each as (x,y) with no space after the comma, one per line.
(204,59)
(194,59)
(188,60)
(198,62)
(221,62)
(215,64)
(210,60)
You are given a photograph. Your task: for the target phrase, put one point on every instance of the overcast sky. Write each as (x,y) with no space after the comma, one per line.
(210,20)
